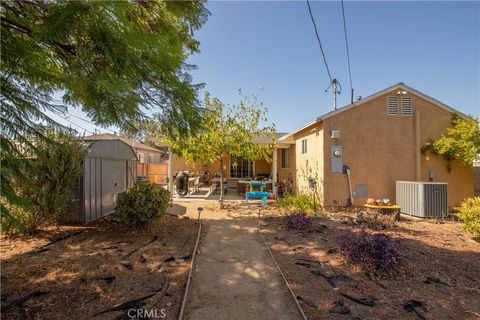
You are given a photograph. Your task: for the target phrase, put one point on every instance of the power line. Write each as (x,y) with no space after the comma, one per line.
(348,52)
(319,42)
(90,122)
(65,118)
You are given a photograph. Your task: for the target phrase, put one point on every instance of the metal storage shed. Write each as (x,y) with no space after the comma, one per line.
(109,169)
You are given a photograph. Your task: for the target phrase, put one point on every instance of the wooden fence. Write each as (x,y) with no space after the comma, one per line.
(153,172)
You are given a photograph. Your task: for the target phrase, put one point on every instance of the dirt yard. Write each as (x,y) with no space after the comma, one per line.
(438,277)
(101,266)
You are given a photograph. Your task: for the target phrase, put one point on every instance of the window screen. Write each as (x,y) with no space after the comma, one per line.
(406,106)
(392,106)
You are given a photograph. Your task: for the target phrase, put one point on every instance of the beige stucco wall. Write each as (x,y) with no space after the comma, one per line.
(381,149)
(310,164)
(286,173)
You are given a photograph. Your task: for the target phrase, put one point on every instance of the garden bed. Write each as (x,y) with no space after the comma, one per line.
(99,267)
(437,277)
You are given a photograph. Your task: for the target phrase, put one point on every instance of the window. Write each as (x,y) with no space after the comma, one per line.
(406,106)
(304,146)
(285,158)
(150,158)
(392,106)
(240,168)
(141,158)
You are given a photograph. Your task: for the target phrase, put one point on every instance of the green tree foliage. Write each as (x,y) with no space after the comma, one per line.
(142,204)
(53,175)
(226,131)
(469,213)
(114,59)
(462,141)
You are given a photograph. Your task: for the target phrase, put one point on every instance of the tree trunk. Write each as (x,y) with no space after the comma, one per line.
(221,183)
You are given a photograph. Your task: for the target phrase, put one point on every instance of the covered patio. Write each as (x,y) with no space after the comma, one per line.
(204,180)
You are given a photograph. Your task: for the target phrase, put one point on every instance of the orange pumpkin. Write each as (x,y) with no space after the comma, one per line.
(371,201)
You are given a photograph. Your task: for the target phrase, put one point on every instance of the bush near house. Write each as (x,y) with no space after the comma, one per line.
(469,213)
(375,253)
(142,204)
(297,202)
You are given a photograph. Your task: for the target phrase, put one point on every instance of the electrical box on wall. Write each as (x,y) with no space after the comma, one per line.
(335,134)
(336,157)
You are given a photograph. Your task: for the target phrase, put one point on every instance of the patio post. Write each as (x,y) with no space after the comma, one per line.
(274,171)
(170,170)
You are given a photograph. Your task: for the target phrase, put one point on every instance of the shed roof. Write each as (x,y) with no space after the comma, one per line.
(132,143)
(110,149)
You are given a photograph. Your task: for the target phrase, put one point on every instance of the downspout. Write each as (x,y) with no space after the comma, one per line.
(418,163)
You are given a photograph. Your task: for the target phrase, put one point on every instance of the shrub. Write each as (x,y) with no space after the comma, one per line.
(298,221)
(376,253)
(142,204)
(469,213)
(297,202)
(45,195)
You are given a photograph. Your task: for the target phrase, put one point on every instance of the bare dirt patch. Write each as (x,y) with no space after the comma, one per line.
(438,277)
(97,269)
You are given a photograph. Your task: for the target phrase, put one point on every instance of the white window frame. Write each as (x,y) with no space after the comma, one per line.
(150,158)
(286,158)
(392,105)
(141,157)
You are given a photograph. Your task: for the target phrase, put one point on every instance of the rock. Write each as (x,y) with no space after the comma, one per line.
(169,304)
(415,306)
(317,273)
(180,260)
(304,264)
(129,266)
(340,308)
(369,302)
(169,259)
(436,280)
(280,238)
(410,305)
(332,250)
(109,279)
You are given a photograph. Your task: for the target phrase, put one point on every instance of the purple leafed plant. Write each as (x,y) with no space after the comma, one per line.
(298,221)
(376,253)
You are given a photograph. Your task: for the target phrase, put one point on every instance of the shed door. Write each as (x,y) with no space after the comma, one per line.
(114,181)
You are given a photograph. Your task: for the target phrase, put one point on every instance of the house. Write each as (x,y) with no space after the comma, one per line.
(145,153)
(378,139)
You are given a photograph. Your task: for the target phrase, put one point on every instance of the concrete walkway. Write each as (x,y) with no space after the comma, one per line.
(235,276)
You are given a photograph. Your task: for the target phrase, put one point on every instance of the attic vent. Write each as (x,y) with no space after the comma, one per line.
(392,106)
(406,106)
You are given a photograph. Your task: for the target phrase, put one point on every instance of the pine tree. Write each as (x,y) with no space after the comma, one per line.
(112,59)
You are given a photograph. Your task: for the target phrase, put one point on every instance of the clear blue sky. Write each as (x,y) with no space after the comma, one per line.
(431,46)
